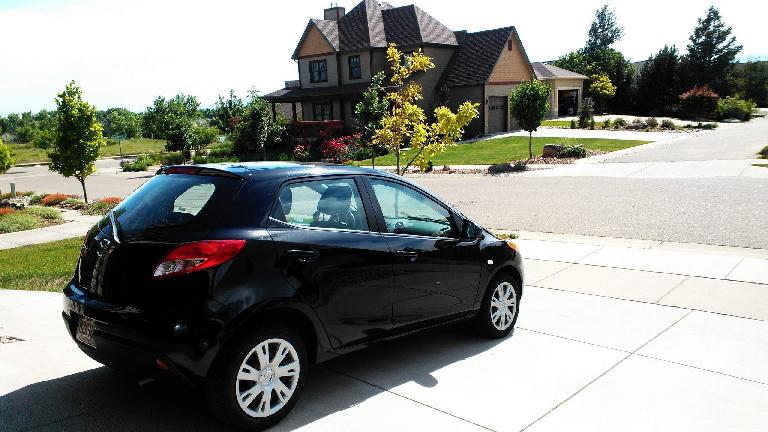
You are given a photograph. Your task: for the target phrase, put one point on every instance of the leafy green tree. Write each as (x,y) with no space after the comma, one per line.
(711,54)
(78,137)
(203,135)
(658,84)
(120,121)
(605,30)
(152,121)
(369,112)
(175,120)
(6,160)
(228,112)
(602,89)
(753,82)
(257,130)
(529,104)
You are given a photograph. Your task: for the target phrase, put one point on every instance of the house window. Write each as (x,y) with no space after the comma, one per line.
(510,45)
(318,71)
(405,59)
(321,111)
(354,67)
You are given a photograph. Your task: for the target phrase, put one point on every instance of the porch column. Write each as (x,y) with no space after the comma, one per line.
(293,109)
(274,112)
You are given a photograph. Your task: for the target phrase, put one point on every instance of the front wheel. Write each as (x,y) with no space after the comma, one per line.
(258,381)
(500,307)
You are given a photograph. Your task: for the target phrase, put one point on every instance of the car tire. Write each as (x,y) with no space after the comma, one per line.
(500,307)
(270,361)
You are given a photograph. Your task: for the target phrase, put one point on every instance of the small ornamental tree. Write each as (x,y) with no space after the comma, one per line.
(529,104)
(369,113)
(78,137)
(6,161)
(405,120)
(257,129)
(699,102)
(586,112)
(602,89)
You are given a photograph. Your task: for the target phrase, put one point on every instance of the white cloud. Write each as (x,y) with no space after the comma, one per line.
(126,53)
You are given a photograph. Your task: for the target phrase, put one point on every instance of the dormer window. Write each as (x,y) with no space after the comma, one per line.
(318,71)
(355,73)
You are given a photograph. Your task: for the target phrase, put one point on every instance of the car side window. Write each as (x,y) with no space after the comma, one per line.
(332,204)
(407,211)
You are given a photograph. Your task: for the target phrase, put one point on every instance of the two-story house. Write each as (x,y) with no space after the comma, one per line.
(337,56)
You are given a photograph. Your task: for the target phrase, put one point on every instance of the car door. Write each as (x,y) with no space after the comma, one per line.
(327,251)
(435,273)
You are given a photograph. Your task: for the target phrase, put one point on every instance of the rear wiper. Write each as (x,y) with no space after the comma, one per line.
(114,225)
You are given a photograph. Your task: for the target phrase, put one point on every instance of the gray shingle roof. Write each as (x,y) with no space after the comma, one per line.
(409,25)
(548,71)
(477,55)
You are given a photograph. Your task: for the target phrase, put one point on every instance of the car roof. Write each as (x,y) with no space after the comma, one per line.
(278,171)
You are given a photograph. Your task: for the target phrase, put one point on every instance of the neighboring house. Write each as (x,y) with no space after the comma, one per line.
(337,56)
(567,88)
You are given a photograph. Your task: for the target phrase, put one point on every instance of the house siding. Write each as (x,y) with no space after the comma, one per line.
(332,71)
(365,67)
(459,95)
(315,44)
(512,66)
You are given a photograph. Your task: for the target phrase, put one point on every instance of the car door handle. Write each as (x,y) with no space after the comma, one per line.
(406,253)
(303,255)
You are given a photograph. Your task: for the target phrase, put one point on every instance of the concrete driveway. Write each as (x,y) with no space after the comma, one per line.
(613,335)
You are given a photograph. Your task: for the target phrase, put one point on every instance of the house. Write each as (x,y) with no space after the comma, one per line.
(336,57)
(567,87)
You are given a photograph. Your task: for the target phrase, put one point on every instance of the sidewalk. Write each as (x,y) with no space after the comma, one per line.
(75,225)
(613,334)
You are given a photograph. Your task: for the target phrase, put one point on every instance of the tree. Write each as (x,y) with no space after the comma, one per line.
(228,112)
(175,120)
(711,54)
(529,104)
(658,84)
(6,160)
(406,121)
(152,124)
(604,30)
(602,89)
(122,122)
(257,129)
(78,137)
(753,82)
(369,112)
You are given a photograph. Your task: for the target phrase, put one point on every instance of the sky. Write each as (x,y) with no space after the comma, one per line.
(126,53)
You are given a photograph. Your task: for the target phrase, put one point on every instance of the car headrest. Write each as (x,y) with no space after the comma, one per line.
(335,199)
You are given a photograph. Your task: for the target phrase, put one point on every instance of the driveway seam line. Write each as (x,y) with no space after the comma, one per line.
(407,398)
(553,274)
(574,340)
(734,268)
(672,289)
(604,373)
(702,369)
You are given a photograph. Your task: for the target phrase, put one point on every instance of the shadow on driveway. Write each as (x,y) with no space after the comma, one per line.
(101,399)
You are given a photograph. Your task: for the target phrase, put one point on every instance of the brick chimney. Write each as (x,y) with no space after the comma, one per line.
(333,13)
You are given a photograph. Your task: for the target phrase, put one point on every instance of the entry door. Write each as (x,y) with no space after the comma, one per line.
(435,274)
(327,252)
(497,114)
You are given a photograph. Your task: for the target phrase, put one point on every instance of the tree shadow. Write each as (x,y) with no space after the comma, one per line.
(102,399)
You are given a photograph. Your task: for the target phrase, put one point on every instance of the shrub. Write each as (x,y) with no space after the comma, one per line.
(203,159)
(44,212)
(301,152)
(619,123)
(708,126)
(174,158)
(18,194)
(607,123)
(285,157)
(573,124)
(6,161)
(18,221)
(699,102)
(7,210)
(586,112)
(764,153)
(336,149)
(519,165)
(37,199)
(102,206)
(592,124)
(652,122)
(54,199)
(667,124)
(573,151)
(733,107)
(73,203)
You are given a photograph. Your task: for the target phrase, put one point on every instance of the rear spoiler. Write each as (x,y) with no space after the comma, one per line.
(198,170)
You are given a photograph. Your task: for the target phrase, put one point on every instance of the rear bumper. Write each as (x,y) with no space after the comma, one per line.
(126,338)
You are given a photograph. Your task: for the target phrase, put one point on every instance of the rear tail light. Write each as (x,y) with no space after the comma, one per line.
(197,256)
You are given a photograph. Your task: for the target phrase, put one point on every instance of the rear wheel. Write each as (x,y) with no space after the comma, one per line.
(259,380)
(499,310)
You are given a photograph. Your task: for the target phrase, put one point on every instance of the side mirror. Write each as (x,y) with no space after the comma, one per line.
(469,231)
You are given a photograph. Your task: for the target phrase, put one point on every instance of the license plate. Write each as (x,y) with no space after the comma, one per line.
(84,333)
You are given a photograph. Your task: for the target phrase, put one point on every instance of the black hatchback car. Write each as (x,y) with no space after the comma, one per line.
(241,276)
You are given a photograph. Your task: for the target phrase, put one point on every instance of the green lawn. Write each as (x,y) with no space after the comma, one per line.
(26,152)
(43,267)
(498,150)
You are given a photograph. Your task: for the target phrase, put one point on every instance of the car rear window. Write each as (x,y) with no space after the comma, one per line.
(170,201)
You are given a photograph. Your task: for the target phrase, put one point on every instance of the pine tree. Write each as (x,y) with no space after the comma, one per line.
(711,54)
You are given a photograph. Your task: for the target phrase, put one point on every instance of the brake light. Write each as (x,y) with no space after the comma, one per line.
(197,256)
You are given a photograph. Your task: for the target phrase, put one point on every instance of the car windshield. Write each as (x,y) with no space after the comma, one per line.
(174,201)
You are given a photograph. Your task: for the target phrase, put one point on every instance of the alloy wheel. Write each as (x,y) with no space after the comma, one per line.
(503,306)
(267,378)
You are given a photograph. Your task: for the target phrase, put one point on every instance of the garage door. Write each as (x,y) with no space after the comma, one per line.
(497,114)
